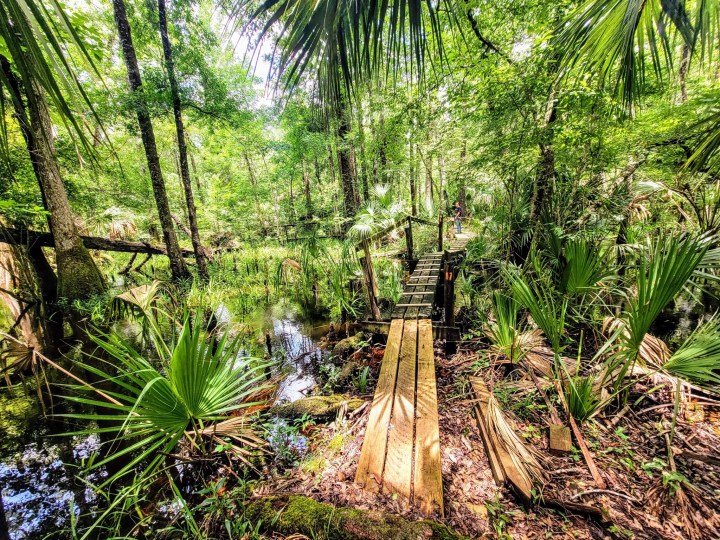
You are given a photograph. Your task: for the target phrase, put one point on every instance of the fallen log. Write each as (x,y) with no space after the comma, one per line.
(45,239)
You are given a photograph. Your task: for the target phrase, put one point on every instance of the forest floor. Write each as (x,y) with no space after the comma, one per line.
(641,501)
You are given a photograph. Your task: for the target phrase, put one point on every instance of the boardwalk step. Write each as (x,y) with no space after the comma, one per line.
(401,448)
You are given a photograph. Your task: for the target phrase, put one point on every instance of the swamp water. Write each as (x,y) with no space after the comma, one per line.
(39,466)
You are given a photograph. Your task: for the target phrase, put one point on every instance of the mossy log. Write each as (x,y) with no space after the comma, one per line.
(295,514)
(345,347)
(317,407)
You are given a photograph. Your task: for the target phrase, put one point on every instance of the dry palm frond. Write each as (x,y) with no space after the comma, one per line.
(541,359)
(123,229)
(139,298)
(290,263)
(16,356)
(526,460)
(654,351)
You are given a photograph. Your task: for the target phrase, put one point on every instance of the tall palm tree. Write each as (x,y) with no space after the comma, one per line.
(34,69)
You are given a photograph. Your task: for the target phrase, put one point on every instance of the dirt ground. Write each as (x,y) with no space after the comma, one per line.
(639,502)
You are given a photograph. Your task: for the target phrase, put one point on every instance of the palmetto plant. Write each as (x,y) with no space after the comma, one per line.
(198,391)
(662,272)
(503,331)
(585,267)
(698,358)
(547,307)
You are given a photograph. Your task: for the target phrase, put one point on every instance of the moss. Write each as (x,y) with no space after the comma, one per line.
(78,276)
(314,464)
(295,514)
(345,347)
(317,407)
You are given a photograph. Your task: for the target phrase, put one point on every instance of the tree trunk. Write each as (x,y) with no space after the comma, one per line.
(413,181)
(177,263)
(306,185)
(200,258)
(428,181)
(441,187)
(683,71)
(4,532)
(345,162)
(78,276)
(363,159)
(546,167)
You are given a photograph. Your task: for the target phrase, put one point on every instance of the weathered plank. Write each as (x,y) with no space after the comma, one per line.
(397,475)
(372,456)
(427,489)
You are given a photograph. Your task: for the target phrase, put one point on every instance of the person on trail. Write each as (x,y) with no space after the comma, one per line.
(458,218)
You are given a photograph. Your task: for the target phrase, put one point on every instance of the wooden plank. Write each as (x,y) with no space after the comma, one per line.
(427,489)
(421,304)
(372,455)
(397,474)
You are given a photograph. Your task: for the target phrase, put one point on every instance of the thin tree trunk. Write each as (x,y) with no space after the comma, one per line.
(428,181)
(177,263)
(306,185)
(441,187)
(413,181)
(383,151)
(78,276)
(683,71)
(362,157)
(200,257)
(4,532)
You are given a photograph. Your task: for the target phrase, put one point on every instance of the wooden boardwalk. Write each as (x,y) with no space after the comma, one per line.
(420,292)
(401,448)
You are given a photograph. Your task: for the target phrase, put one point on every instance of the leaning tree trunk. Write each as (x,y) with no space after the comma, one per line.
(200,257)
(177,263)
(78,276)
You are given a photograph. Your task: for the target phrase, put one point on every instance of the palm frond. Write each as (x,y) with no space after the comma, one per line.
(670,263)
(614,37)
(345,43)
(35,38)
(698,358)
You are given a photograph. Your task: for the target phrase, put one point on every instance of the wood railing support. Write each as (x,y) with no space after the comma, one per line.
(409,241)
(449,293)
(440,232)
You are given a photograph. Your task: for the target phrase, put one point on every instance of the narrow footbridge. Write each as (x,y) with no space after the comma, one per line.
(401,449)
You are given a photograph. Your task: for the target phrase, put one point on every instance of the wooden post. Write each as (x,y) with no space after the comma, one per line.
(440,232)
(370,282)
(409,241)
(449,296)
